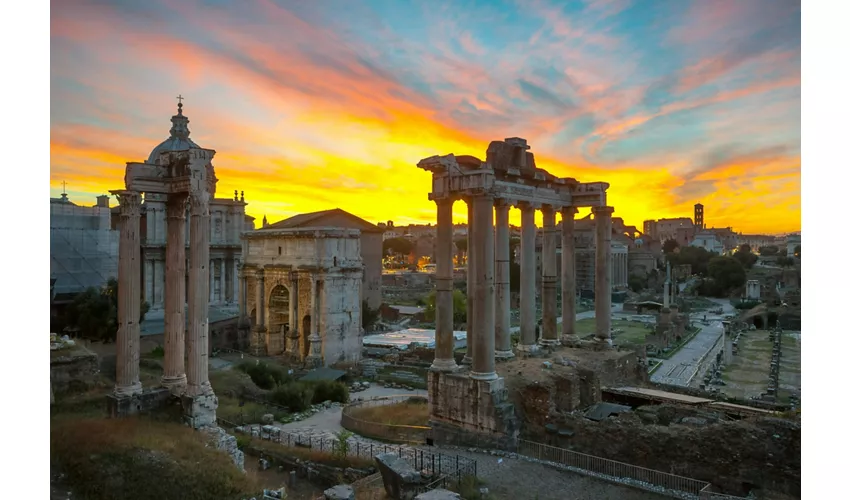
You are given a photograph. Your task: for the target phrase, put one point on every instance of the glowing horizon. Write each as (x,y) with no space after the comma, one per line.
(311,108)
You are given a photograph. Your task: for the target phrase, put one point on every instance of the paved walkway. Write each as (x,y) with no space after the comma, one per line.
(682,367)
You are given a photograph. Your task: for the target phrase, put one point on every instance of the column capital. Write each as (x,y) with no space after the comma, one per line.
(569,212)
(176,206)
(503,202)
(606,210)
(199,203)
(130,202)
(527,205)
(260,273)
(447,201)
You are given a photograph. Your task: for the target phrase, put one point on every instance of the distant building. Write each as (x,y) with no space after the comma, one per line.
(371,243)
(83,246)
(699,220)
(792,241)
(756,241)
(708,241)
(681,229)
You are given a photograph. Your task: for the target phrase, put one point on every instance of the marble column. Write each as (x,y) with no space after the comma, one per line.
(129,258)
(315,357)
(236,283)
(211,269)
(294,316)
(174,377)
(224,297)
(444,359)
(602,290)
(260,325)
(159,284)
(483,359)
(197,373)
(568,276)
(527,299)
(149,281)
(470,283)
(243,297)
(549,266)
(503,281)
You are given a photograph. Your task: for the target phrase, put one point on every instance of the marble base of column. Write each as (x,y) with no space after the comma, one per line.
(314,359)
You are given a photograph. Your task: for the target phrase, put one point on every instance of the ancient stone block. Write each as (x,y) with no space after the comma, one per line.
(438,494)
(340,492)
(400,478)
(199,411)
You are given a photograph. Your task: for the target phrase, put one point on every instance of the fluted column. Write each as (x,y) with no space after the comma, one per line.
(129,301)
(315,356)
(470,283)
(174,377)
(197,373)
(503,281)
(243,296)
(527,299)
(550,278)
(236,284)
(483,359)
(224,264)
(444,359)
(568,276)
(602,290)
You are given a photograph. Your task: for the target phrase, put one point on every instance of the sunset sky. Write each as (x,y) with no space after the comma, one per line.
(312,105)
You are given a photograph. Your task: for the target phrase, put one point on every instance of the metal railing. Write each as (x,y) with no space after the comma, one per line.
(639,477)
(433,464)
(397,433)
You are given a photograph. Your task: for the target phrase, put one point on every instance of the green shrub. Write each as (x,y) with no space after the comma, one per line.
(327,390)
(265,376)
(296,396)
(158,352)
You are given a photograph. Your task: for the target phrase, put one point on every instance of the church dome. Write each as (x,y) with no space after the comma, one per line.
(179,140)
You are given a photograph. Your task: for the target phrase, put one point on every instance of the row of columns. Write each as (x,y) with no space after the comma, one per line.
(488,282)
(193,378)
(620,269)
(156,283)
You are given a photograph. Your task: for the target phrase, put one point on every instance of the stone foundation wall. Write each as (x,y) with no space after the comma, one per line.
(734,455)
(464,408)
(75,371)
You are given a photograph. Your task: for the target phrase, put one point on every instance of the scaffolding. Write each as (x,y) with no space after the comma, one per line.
(83,247)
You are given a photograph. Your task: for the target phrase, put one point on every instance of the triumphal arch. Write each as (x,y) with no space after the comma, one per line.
(183,177)
(507,178)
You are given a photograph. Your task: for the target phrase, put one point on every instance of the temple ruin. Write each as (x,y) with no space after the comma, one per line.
(508,178)
(180,175)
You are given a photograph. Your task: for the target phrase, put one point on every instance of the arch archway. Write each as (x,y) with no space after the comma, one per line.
(279,312)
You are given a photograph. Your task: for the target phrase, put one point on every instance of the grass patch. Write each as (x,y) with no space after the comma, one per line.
(633,332)
(413,411)
(142,459)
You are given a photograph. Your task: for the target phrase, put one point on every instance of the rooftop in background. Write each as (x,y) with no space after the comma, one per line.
(403,338)
(314,219)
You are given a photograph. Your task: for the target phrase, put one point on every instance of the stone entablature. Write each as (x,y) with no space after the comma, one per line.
(313,275)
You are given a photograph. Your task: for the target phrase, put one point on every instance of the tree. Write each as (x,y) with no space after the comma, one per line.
(458,306)
(727,272)
(94,312)
(745,256)
(769,250)
(401,246)
(368,316)
(785,261)
(696,257)
(637,282)
(461,245)
(670,246)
